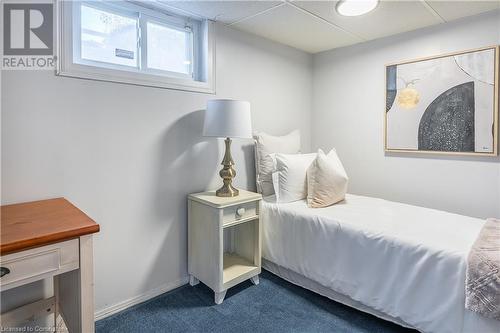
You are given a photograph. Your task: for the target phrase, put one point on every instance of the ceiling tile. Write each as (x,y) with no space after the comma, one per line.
(223,11)
(389,18)
(451,10)
(293,27)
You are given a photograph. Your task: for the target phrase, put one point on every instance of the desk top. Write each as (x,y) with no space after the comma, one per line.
(38,223)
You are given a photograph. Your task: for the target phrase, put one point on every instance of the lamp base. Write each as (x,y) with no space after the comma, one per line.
(227,173)
(227,191)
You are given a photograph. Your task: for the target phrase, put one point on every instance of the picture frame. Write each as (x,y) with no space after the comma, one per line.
(444,104)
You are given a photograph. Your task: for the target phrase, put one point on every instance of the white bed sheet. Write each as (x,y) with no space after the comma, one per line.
(405,261)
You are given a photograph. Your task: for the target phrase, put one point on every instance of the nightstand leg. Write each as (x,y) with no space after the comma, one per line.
(193,281)
(255,279)
(219,297)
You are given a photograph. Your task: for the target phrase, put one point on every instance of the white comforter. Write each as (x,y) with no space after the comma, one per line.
(406,261)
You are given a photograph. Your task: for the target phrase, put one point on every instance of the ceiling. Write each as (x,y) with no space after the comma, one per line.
(315,26)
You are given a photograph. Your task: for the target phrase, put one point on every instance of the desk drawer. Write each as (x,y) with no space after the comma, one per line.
(239,212)
(38,263)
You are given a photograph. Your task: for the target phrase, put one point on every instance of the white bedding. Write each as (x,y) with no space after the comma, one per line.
(405,261)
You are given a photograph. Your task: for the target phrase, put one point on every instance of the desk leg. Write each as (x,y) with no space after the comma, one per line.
(56,302)
(76,292)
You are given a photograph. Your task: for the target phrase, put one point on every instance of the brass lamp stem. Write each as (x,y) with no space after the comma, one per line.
(227,173)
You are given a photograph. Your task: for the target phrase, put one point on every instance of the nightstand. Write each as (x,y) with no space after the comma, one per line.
(224,244)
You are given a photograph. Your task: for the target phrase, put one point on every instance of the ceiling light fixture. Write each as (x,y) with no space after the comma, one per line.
(355,7)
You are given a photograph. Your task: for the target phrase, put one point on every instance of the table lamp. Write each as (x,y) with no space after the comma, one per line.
(225,118)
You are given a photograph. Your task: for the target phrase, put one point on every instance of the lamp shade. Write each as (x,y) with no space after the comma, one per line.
(225,118)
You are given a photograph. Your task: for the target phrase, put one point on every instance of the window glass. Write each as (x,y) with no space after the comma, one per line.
(169,49)
(108,37)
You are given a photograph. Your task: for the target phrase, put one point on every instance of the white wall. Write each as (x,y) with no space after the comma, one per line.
(348,110)
(128,155)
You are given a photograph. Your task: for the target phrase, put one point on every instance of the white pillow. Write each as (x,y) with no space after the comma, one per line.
(289,179)
(326,180)
(265,145)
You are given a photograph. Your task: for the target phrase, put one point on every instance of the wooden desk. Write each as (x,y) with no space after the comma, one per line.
(49,239)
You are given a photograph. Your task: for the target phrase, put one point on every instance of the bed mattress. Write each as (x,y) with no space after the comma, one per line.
(401,260)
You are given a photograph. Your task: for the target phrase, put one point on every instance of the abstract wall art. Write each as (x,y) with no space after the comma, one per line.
(444,104)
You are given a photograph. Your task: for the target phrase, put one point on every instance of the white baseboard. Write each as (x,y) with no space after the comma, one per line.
(112,309)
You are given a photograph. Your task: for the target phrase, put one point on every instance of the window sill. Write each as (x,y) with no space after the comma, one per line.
(99,74)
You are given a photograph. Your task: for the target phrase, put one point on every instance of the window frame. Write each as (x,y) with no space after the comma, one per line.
(203,64)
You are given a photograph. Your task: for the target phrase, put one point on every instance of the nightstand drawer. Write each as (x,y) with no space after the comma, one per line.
(240,212)
(38,263)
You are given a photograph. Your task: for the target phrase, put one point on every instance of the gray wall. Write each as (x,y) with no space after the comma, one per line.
(348,110)
(128,155)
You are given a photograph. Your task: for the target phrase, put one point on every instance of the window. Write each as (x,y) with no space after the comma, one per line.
(178,57)
(107,37)
(135,43)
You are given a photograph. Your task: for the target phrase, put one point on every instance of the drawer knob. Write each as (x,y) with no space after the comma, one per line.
(240,212)
(4,271)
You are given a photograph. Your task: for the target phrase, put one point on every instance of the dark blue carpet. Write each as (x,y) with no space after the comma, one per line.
(273,306)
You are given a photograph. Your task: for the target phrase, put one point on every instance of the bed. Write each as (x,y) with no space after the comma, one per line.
(400,262)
